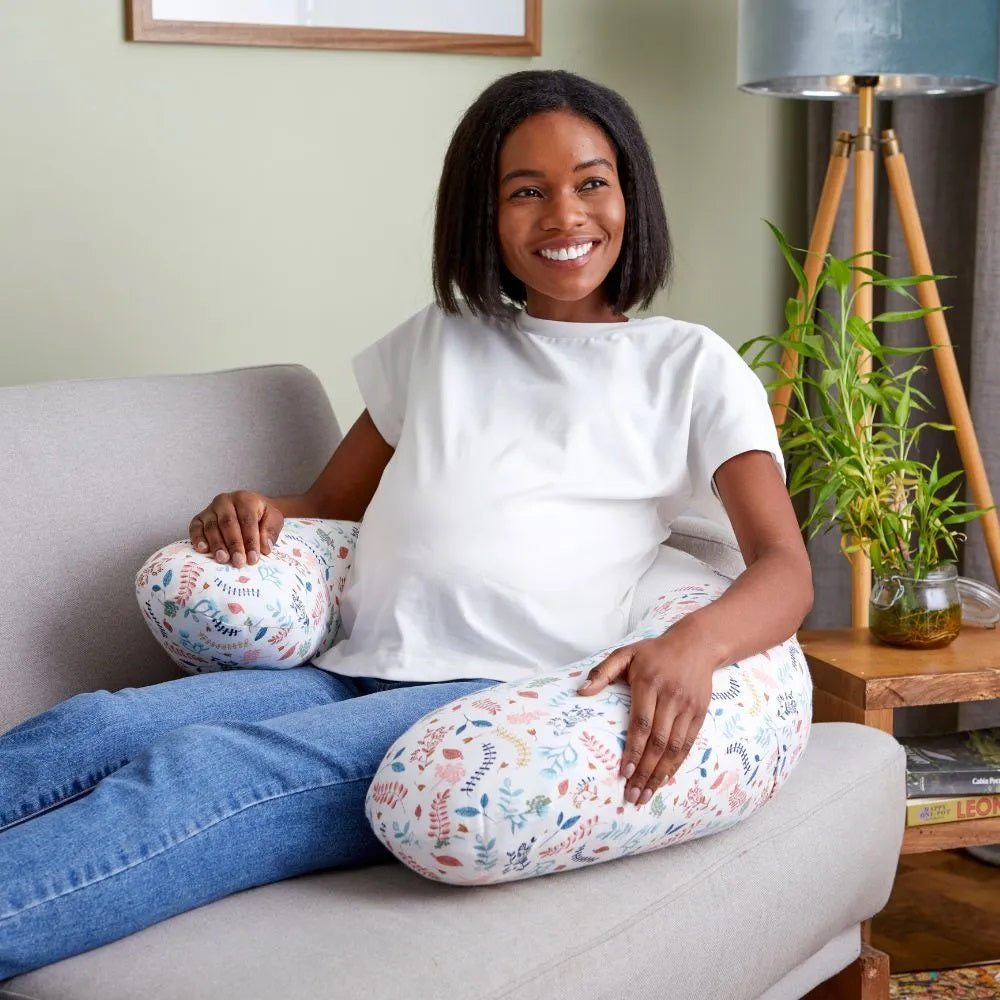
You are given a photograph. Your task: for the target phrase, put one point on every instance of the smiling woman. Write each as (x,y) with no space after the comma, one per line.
(553,129)
(561,216)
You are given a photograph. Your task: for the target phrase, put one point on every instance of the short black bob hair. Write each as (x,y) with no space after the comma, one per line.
(466,245)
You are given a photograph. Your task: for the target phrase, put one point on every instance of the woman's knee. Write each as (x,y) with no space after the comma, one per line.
(203,752)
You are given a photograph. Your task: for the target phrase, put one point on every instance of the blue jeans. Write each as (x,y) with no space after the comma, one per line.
(120,810)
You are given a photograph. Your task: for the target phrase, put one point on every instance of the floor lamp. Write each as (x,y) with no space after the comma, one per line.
(864,50)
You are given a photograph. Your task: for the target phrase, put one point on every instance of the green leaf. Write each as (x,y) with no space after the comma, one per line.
(828,378)
(793,312)
(840,274)
(963,516)
(899,316)
(863,334)
(900,284)
(903,409)
(871,393)
(894,351)
(944,480)
(789,256)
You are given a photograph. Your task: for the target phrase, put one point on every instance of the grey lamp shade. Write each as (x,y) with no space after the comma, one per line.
(815,48)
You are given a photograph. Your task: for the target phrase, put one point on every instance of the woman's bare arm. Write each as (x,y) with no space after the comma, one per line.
(347,484)
(671,675)
(765,604)
(240,525)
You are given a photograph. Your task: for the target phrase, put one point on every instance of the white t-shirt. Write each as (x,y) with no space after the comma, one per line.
(538,466)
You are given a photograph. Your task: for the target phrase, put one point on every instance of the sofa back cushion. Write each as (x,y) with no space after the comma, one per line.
(97,474)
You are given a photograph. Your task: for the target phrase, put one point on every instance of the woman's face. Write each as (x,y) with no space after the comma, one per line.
(561,215)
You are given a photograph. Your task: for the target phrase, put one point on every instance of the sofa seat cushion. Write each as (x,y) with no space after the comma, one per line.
(724,917)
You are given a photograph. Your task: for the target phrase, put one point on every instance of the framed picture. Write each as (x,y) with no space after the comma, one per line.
(497,27)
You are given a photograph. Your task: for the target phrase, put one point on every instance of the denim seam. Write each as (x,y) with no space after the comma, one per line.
(236,812)
(108,770)
(44,810)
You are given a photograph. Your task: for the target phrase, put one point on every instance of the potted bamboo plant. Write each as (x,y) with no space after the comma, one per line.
(849,439)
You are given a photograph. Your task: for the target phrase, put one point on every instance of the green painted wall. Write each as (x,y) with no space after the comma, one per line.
(169,208)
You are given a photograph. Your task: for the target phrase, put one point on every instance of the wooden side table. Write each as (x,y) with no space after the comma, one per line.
(857,679)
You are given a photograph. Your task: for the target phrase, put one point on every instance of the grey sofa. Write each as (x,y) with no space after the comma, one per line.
(96,474)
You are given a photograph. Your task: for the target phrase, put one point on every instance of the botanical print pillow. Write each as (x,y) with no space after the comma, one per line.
(279,613)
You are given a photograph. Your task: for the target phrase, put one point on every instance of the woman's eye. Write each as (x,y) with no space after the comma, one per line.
(593,182)
(527,192)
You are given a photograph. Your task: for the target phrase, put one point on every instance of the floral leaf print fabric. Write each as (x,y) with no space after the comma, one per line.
(522,779)
(279,613)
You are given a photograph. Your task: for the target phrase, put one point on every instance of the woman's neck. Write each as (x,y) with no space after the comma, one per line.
(589,310)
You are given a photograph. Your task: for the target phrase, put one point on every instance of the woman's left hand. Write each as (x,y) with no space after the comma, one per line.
(671,686)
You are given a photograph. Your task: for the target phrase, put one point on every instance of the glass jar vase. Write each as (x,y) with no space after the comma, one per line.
(921,614)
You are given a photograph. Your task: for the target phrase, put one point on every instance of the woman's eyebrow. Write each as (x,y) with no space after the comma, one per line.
(596,162)
(512,174)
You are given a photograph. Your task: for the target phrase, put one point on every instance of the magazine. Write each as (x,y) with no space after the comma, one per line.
(951,809)
(966,763)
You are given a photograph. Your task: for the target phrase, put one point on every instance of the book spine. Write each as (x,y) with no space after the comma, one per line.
(984,782)
(952,810)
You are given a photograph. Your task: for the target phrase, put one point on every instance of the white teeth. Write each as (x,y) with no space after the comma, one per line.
(567,253)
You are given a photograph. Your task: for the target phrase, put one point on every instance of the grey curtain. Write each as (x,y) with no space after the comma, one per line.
(985,323)
(952,150)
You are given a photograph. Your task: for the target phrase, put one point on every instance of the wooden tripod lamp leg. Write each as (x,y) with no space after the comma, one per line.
(864,243)
(819,244)
(944,354)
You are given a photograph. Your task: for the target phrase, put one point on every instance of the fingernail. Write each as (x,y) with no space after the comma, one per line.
(629,771)
(645,797)
(222,556)
(586,684)
(252,558)
(632,796)
(201,547)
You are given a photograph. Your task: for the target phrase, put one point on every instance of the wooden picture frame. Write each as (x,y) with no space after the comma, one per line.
(142,26)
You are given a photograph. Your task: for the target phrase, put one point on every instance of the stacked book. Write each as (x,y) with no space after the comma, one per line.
(953,777)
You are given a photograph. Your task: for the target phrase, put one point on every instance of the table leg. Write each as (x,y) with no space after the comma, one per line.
(865,979)
(830,708)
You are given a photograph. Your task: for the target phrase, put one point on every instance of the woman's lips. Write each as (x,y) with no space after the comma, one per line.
(571,255)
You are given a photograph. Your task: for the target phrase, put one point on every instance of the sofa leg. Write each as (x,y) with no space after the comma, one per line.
(865,979)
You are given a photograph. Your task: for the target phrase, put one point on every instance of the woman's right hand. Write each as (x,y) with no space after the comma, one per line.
(236,528)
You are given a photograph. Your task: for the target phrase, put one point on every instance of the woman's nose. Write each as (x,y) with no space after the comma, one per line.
(564,210)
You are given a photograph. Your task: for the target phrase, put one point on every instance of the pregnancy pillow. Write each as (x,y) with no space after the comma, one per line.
(522,779)
(516,780)
(279,613)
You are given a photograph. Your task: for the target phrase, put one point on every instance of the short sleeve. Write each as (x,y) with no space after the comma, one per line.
(383,373)
(730,415)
